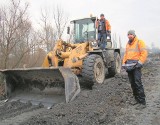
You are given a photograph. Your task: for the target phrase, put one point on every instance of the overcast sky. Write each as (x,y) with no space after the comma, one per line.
(140,15)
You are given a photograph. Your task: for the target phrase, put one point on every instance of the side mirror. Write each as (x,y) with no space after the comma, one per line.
(68,30)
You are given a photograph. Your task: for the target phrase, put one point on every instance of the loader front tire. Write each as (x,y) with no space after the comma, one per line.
(93,69)
(115,65)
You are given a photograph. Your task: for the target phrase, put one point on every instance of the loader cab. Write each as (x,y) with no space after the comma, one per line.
(84,30)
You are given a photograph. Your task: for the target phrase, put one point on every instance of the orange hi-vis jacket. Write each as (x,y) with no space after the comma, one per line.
(108,26)
(135,51)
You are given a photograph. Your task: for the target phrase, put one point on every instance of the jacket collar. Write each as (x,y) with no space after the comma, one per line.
(134,40)
(102,19)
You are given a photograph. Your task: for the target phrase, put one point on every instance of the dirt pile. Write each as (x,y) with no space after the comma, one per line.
(151,114)
(104,104)
(12,109)
(100,105)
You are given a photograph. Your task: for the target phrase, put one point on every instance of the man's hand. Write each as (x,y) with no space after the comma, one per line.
(139,65)
(108,31)
(123,67)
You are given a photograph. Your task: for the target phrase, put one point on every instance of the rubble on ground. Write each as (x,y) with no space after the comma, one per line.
(104,104)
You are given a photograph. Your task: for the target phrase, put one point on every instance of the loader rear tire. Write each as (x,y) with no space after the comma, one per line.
(93,69)
(115,65)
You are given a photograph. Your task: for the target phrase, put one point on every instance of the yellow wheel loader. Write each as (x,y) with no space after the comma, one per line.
(58,78)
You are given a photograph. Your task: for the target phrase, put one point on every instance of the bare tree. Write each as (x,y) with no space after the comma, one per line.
(47,34)
(52,26)
(37,51)
(19,43)
(60,19)
(15,28)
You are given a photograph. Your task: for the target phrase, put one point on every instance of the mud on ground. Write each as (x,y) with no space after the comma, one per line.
(104,104)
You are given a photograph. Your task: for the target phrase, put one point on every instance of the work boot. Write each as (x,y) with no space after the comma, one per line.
(140,106)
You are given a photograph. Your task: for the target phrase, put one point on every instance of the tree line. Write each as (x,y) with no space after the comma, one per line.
(21,45)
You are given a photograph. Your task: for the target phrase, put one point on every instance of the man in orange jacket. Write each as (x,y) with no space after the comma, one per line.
(134,57)
(104,30)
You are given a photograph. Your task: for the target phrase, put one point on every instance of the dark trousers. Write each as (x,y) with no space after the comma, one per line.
(136,85)
(102,38)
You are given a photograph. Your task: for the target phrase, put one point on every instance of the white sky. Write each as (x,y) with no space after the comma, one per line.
(140,15)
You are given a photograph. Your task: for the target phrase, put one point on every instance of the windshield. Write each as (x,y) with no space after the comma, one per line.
(84,30)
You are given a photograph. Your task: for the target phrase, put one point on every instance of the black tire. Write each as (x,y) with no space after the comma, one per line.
(93,69)
(115,65)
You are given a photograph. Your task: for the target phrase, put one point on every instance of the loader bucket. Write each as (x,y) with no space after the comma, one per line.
(47,86)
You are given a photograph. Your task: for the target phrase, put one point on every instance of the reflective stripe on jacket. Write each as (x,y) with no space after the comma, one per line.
(135,51)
